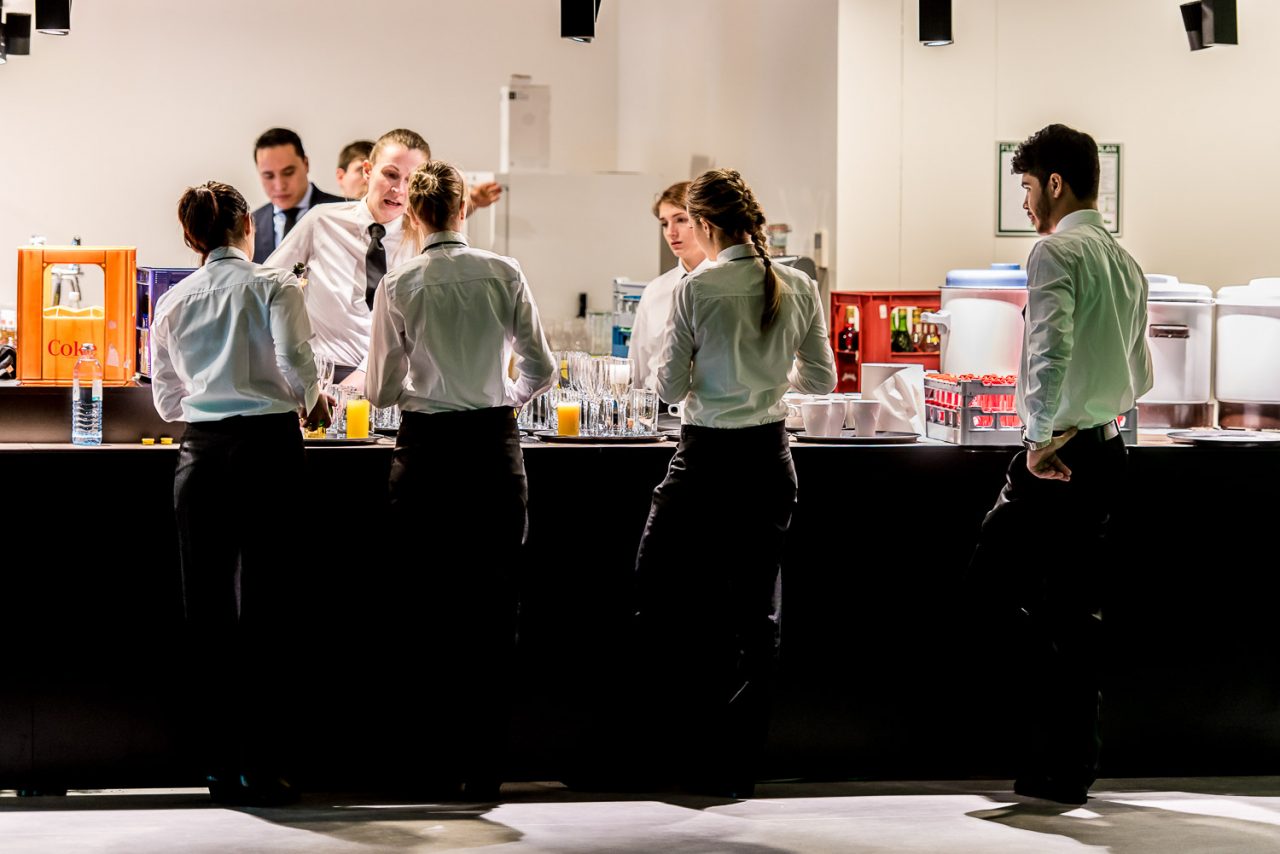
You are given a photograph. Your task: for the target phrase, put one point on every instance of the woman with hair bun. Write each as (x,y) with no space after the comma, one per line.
(443,326)
(232,358)
(707,571)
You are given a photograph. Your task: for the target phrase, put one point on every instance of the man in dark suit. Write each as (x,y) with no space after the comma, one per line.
(283,170)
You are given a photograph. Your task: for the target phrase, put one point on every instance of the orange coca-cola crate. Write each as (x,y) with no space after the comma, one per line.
(875,312)
(50,333)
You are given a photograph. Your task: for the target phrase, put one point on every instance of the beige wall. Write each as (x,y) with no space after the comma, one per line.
(747,83)
(918,127)
(100,131)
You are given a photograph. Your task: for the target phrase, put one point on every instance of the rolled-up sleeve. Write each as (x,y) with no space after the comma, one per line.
(675,365)
(814,368)
(388,361)
(167,388)
(291,331)
(1051,301)
(534,362)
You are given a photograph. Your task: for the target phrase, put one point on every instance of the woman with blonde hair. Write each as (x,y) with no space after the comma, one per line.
(443,326)
(708,567)
(347,247)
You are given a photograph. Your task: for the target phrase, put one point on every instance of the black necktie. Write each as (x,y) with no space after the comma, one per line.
(375,262)
(290,220)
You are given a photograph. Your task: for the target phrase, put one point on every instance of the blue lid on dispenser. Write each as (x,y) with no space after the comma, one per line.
(998,276)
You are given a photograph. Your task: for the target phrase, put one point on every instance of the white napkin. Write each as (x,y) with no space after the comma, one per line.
(901,399)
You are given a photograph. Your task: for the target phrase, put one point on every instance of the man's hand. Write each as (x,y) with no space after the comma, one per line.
(319,417)
(483,195)
(1045,464)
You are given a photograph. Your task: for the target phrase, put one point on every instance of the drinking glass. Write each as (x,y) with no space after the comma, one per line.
(324,371)
(644,411)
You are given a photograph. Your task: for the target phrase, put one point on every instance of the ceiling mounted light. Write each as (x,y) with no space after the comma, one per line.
(53,17)
(935,22)
(1210,22)
(578,19)
(17,33)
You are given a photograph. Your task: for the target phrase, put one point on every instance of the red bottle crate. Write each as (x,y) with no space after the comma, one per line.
(874,311)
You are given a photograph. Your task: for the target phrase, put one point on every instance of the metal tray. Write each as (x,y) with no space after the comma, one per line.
(555,438)
(338,443)
(884,437)
(1226,438)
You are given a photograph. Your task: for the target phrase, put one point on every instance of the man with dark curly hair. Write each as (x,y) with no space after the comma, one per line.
(1084,362)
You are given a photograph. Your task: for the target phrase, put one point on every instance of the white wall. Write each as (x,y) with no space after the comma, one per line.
(918,127)
(748,83)
(101,131)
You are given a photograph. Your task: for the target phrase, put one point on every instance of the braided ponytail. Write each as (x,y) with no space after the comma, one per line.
(723,199)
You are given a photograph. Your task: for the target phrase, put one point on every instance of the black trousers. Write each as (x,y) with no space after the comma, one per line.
(458,497)
(708,589)
(1043,554)
(240,533)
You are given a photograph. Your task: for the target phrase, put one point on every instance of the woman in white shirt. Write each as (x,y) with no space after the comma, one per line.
(655,302)
(231,357)
(444,325)
(707,570)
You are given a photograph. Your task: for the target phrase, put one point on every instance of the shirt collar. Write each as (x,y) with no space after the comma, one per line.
(226,252)
(301,205)
(445,237)
(1086,216)
(364,219)
(738,250)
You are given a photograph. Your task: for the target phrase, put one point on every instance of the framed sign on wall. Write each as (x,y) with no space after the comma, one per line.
(1011,219)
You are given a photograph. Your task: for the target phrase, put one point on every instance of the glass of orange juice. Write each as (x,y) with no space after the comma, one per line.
(568,417)
(357,416)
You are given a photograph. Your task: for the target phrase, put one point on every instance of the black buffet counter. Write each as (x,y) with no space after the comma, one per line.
(888,669)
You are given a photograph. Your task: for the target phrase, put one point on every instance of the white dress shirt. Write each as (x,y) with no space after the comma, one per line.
(1084,349)
(278,217)
(443,326)
(332,241)
(650,323)
(713,351)
(232,339)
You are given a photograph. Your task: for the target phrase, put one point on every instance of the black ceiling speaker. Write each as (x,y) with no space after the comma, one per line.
(1210,22)
(1219,22)
(578,19)
(17,33)
(1191,21)
(935,22)
(53,17)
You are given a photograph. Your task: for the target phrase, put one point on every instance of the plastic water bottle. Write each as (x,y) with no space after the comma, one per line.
(86,398)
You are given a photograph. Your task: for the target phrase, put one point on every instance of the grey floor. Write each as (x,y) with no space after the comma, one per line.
(1162,816)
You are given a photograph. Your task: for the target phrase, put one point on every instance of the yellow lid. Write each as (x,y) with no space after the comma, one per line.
(147,440)
(166,440)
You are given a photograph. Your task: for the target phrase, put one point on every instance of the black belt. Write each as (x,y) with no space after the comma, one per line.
(1099,434)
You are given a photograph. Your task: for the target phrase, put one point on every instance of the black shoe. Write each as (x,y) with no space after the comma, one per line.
(250,791)
(1051,789)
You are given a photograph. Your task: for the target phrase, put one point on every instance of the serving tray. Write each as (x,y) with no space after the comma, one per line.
(555,438)
(884,437)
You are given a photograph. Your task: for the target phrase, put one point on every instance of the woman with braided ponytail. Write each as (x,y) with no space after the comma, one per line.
(442,326)
(740,332)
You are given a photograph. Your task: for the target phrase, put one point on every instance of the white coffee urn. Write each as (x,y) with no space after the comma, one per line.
(1247,372)
(1180,338)
(980,320)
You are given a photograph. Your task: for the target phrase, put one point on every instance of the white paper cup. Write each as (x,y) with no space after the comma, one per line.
(816,414)
(863,414)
